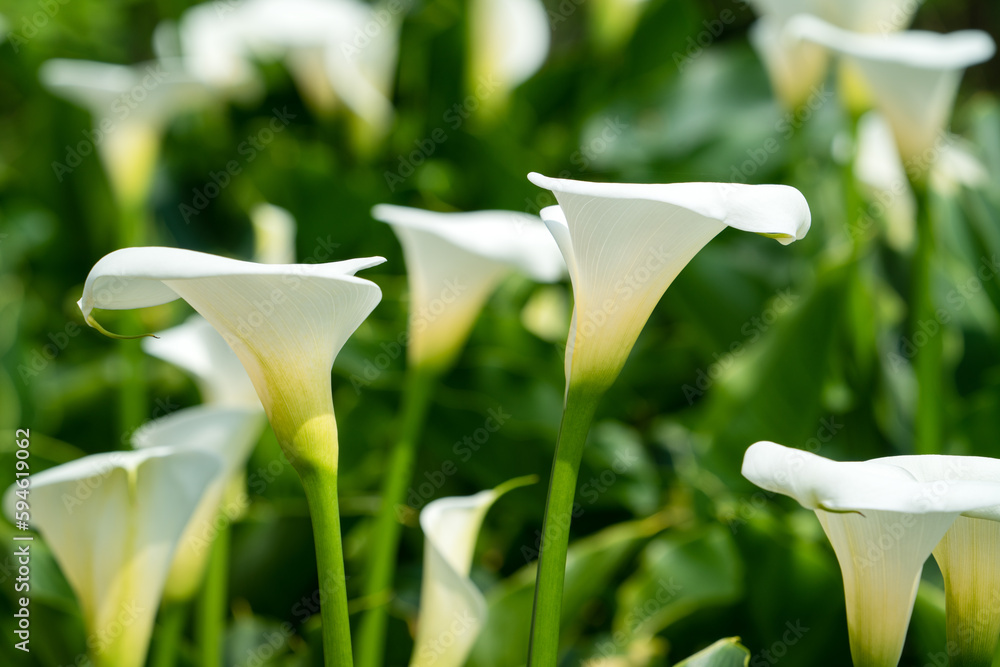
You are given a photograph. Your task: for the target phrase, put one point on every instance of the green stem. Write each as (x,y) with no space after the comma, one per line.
(926,338)
(388,527)
(168,635)
(132,393)
(316,448)
(578,413)
(213,604)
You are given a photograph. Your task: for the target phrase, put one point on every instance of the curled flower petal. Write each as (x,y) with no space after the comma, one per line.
(883,522)
(285,322)
(625,243)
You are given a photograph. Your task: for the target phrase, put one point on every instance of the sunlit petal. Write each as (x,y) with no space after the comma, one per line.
(625,243)
(230,434)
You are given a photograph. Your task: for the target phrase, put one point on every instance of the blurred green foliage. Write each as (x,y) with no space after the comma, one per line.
(817,329)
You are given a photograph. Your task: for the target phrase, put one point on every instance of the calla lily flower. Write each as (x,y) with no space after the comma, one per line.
(913,76)
(113,522)
(508,43)
(452,609)
(883,523)
(342,50)
(274,234)
(131,107)
(199,349)
(286,323)
(625,243)
(796,68)
(454,262)
(968,555)
(230,434)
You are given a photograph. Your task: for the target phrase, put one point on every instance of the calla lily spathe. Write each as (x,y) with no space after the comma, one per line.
(113,522)
(797,69)
(452,609)
(913,77)
(131,107)
(342,50)
(285,322)
(508,43)
(969,558)
(883,523)
(454,262)
(625,243)
(196,347)
(230,434)
(273,233)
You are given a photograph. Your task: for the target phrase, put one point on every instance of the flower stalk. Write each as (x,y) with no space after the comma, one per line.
(926,336)
(211,611)
(420,382)
(578,414)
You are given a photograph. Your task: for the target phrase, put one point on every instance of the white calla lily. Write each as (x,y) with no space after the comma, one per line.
(969,557)
(113,522)
(454,261)
(913,76)
(342,50)
(286,323)
(199,349)
(130,106)
(883,523)
(879,170)
(797,69)
(274,234)
(227,432)
(452,608)
(508,43)
(625,243)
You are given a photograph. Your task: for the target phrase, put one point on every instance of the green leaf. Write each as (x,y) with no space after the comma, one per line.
(723,653)
(678,575)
